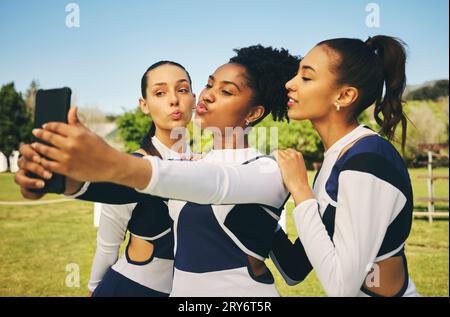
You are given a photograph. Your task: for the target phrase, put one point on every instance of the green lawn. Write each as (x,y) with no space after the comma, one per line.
(39,241)
(9,190)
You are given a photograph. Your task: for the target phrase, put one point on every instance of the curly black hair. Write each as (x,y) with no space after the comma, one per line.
(268,70)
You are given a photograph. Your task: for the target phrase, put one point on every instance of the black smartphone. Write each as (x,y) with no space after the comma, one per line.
(52,105)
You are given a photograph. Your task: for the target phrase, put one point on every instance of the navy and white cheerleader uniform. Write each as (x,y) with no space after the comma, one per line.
(213,235)
(145,217)
(361,214)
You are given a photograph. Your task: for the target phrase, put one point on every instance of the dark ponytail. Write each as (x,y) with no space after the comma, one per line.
(373,66)
(391,53)
(147,143)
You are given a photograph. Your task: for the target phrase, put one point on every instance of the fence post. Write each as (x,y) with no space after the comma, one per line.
(430,187)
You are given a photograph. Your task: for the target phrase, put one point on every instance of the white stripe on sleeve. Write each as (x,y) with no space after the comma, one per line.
(111,233)
(206,183)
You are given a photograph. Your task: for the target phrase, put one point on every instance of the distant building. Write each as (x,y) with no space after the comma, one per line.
(109,132)
(3,163)
(13,160)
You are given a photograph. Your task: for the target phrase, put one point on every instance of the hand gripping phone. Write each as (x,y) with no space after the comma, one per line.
(52,105)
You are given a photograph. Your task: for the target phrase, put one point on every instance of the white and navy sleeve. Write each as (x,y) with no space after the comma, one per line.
(289,258)
(111,233)
(80,192)
(206,183)
(108,193)
(367,201)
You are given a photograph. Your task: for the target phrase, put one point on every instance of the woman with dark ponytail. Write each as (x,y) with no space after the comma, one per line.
(354,222)
(165,125)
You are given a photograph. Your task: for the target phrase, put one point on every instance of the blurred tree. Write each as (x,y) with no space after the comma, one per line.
(30,96)
(430,92)
(428,124)
(133,125)
(15,120)
(298,135)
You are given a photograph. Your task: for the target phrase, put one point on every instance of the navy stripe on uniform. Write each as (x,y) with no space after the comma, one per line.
(202,245)
(290,258)
(115,284)
(241,220)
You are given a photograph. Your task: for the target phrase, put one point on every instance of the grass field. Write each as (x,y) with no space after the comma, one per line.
(39,241)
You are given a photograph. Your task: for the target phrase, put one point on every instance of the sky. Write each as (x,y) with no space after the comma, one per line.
(103,59)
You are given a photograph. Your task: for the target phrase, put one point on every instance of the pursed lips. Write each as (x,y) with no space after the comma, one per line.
(201,108)
(176,115)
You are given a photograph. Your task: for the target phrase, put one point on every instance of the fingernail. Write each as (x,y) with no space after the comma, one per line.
(44,125)
(33,145)
(47,175)
(36,159)
(35,131)
(40,184)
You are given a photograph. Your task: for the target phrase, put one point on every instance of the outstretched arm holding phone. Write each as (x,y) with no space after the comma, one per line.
(32,160)
(80,154)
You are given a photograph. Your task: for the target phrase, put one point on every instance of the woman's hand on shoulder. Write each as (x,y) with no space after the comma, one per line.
(295,177)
